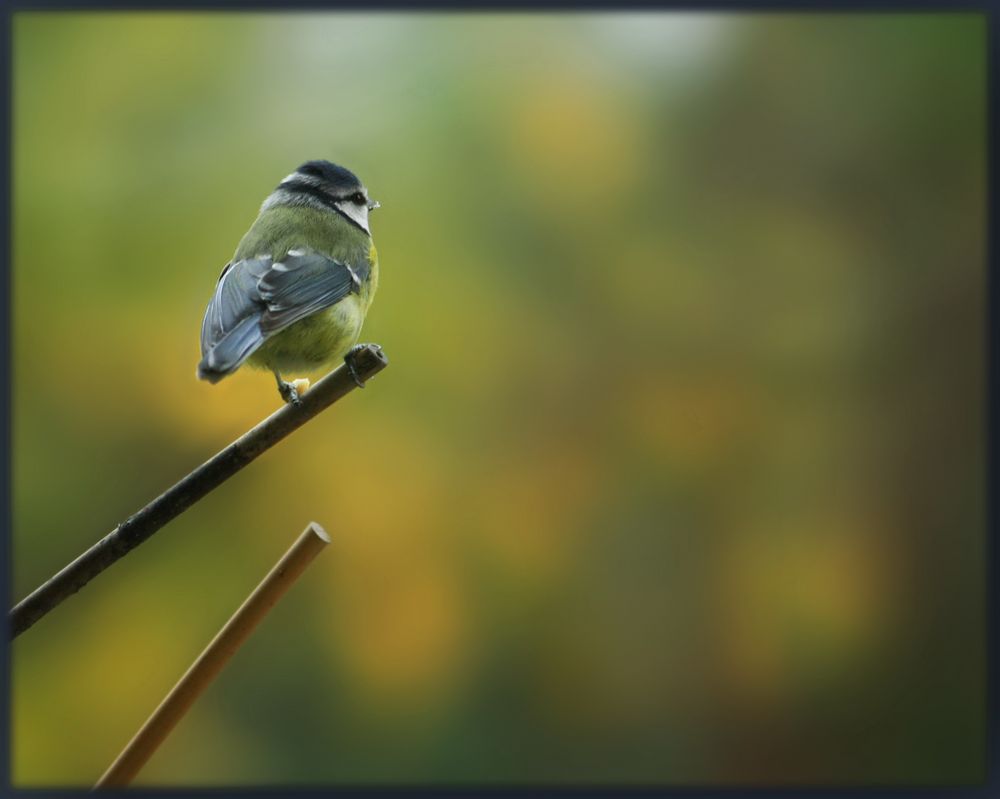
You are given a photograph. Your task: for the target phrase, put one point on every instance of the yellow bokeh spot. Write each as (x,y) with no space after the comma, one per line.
(573,141)
(532,506)
(400,627)
(691,421)
(801,605)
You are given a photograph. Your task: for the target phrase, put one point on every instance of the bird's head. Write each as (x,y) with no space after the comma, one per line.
(326,185)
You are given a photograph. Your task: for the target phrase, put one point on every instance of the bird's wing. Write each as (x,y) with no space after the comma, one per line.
(234,300)
(302,283)
(256,298)
(230,331)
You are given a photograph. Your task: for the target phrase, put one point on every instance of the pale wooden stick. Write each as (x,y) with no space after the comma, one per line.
(216,655)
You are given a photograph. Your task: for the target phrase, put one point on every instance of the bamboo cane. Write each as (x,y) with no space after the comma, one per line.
(211,661)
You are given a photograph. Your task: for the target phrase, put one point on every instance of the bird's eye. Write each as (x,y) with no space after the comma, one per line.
(358,198)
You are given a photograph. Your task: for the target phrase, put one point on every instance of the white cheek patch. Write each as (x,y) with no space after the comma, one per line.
(359,213)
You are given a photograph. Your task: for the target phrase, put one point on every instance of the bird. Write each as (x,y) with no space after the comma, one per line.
(294,296)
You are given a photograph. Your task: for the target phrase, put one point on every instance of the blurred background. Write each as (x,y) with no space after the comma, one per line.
(677,471)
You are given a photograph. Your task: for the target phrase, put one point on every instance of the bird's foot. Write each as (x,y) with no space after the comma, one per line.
(289,393)
(351,366)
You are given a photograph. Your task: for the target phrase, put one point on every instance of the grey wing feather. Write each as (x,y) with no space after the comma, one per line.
(230,352)
(234,299)
(230,331)
(305,282)
(255,299)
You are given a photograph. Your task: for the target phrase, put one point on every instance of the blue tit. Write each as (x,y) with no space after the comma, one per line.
(295,294)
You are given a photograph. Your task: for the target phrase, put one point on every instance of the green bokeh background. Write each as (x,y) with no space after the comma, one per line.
(677,471)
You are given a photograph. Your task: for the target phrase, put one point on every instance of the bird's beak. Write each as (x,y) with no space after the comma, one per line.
(373,204)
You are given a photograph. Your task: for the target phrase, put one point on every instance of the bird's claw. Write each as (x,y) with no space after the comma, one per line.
(289,393)
(351,367)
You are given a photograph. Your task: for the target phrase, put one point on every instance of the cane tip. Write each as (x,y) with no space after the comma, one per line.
(319,532)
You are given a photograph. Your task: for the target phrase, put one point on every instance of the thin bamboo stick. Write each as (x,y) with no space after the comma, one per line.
(211,661)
